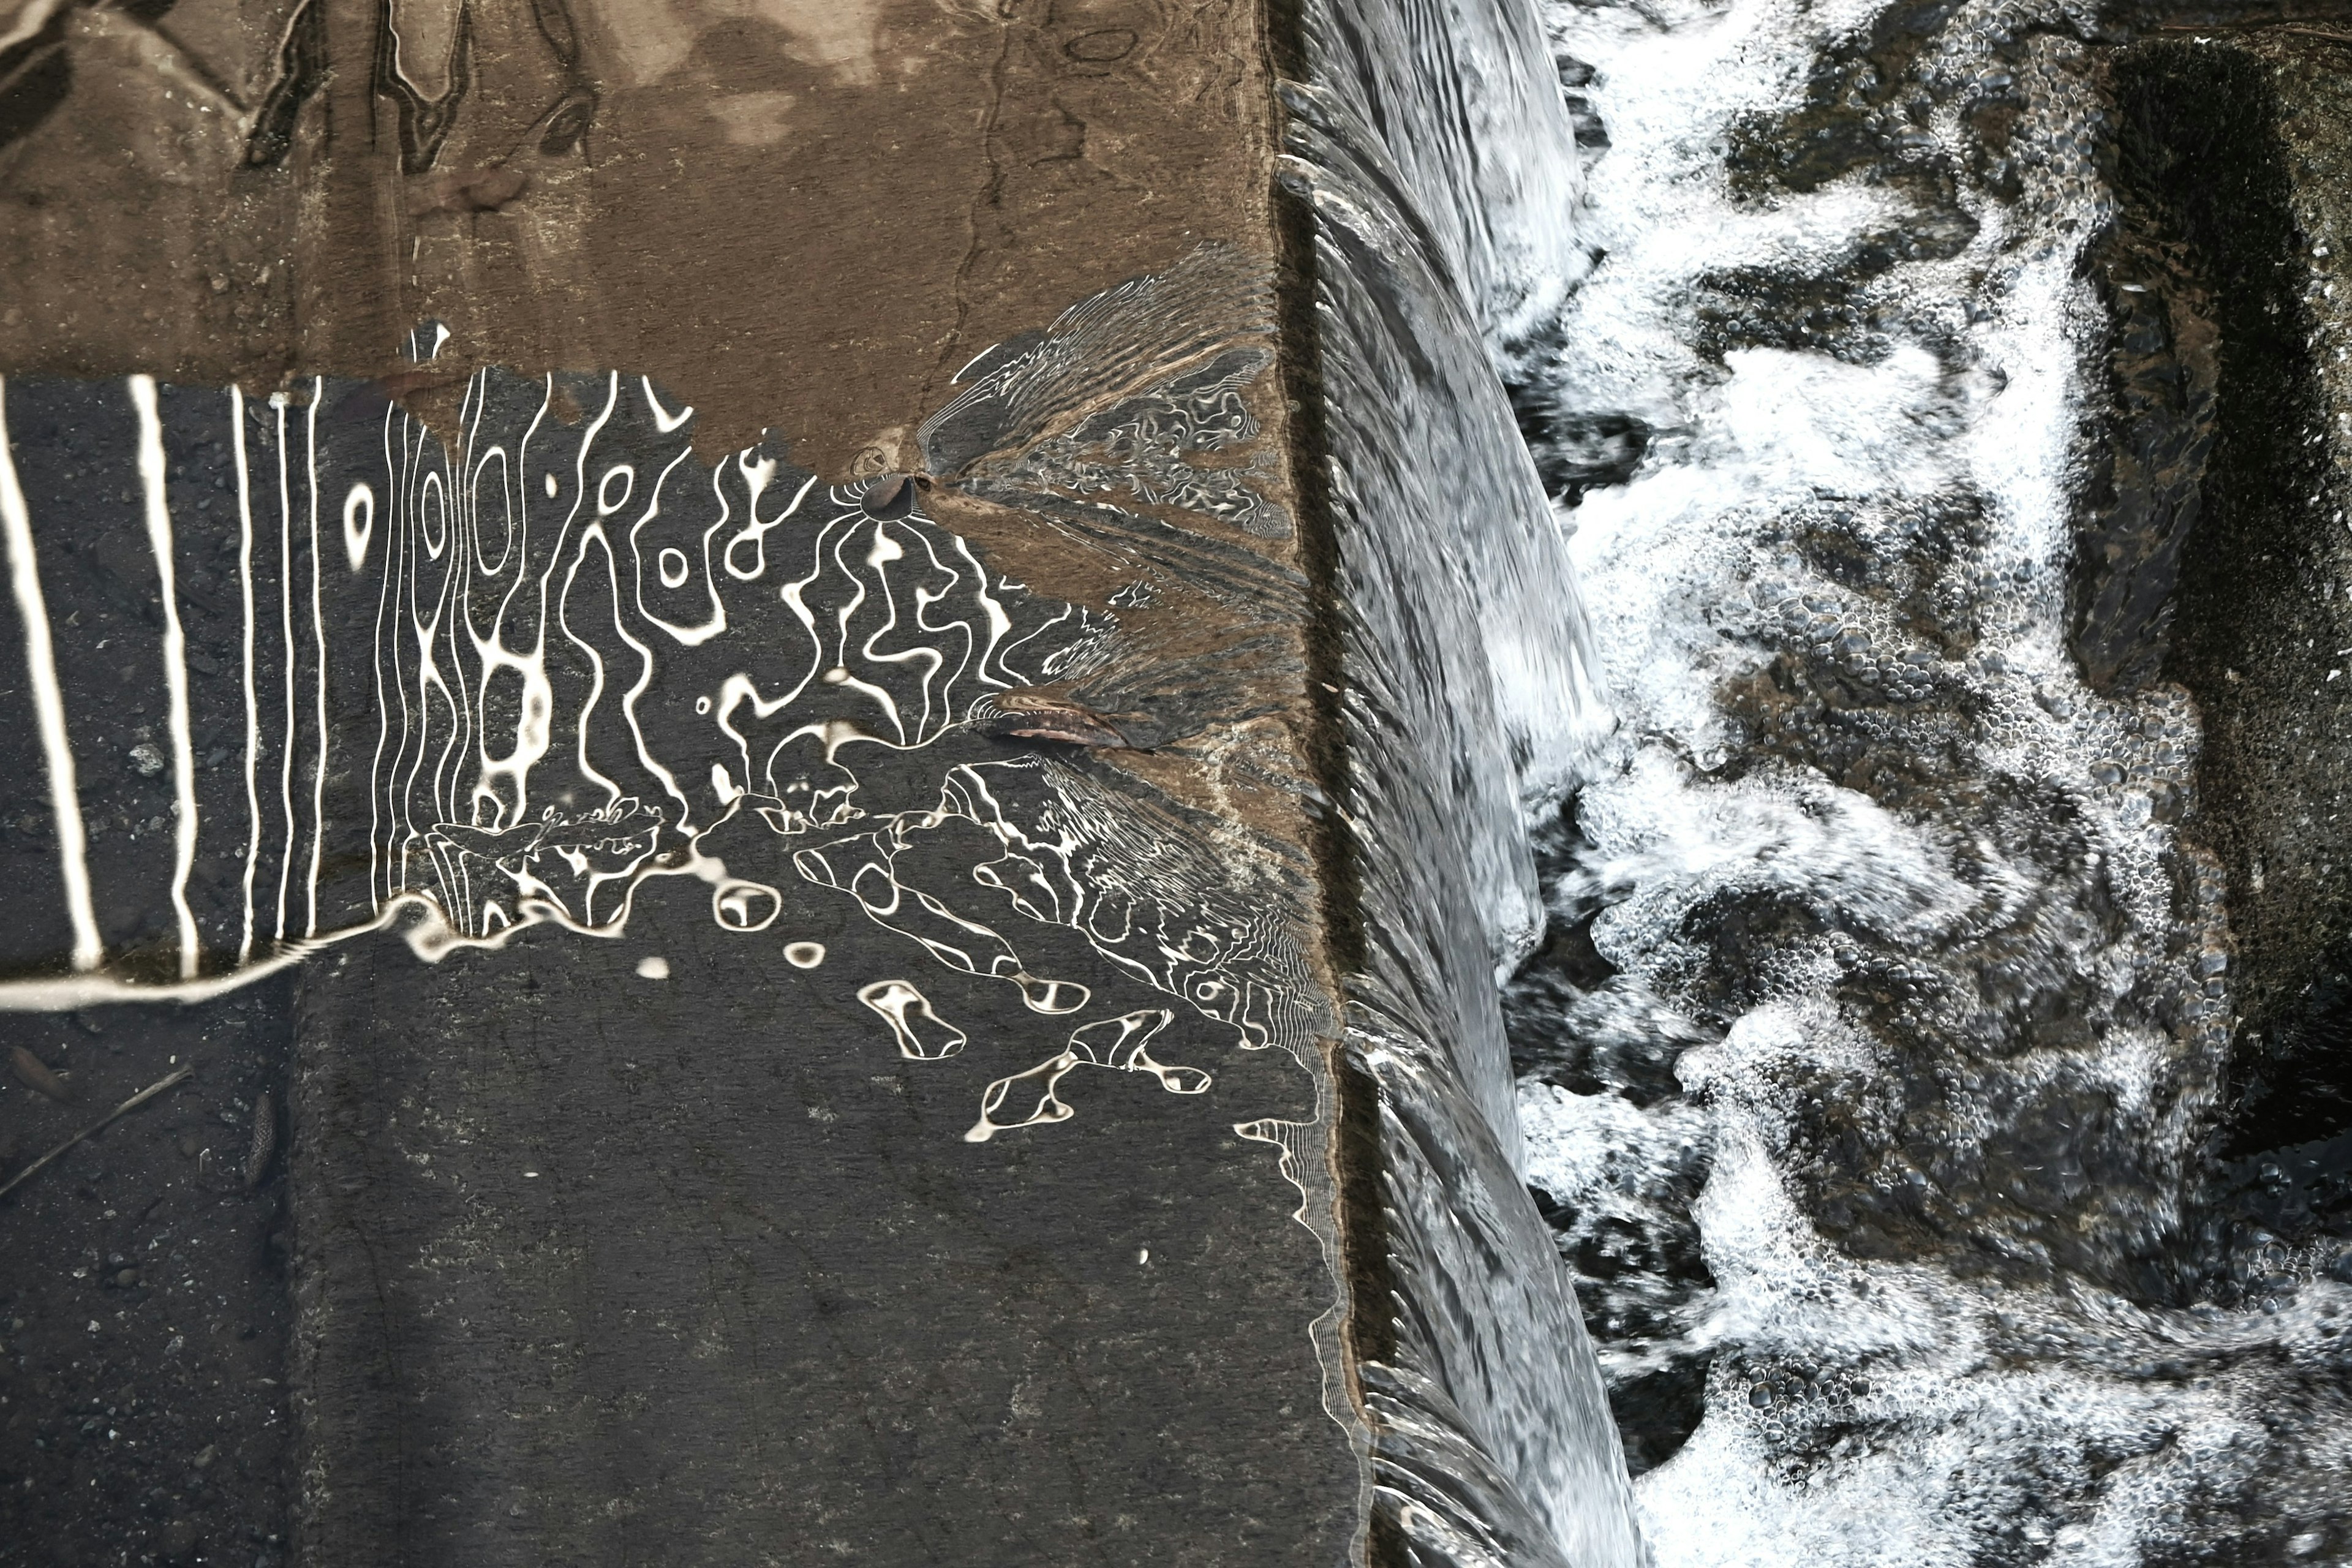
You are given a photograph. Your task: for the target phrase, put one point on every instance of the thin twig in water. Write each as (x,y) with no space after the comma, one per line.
(2253,27)
(134,1103)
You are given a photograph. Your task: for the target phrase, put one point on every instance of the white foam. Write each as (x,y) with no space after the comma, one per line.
(2024,1420)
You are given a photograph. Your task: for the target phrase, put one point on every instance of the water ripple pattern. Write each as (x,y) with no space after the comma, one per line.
(359,678)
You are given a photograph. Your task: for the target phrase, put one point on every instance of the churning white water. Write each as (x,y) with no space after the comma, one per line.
(1871,1112)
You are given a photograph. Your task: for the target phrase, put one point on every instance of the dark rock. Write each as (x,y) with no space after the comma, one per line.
(471,191)
(263,1146)
(889,496)
(1034,716)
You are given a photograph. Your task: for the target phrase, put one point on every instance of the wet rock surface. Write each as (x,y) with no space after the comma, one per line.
(2236,155)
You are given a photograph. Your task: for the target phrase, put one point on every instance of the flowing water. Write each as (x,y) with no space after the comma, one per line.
(1869,1072)
(1435,160)
(1868,992)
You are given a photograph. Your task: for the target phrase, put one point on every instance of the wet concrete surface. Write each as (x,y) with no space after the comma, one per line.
(144,1307)
(725,1274)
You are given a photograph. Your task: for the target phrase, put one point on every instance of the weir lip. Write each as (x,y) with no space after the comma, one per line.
(1438,240)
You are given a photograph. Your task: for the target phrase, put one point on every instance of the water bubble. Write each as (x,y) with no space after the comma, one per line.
(746,906)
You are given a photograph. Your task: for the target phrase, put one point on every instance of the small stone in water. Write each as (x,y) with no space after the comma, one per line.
(34,1074)
(889,496)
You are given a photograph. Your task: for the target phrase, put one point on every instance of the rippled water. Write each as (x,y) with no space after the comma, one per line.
(1869,1072)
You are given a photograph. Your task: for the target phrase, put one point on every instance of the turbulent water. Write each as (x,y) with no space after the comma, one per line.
(1869,1071)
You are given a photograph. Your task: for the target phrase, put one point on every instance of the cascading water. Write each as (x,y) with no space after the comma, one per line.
(1434,161)
(1868,1073)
